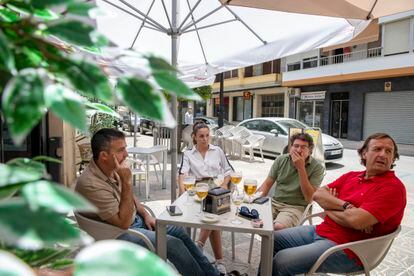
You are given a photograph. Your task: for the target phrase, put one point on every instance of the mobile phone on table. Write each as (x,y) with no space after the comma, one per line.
(174,210)
(261,200)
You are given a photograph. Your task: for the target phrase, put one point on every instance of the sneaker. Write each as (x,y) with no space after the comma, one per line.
(221,268)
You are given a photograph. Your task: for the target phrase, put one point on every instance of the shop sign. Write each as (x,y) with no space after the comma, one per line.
(318,95)
(247,95)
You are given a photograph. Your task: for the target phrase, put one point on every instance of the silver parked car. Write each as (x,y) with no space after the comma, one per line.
(276,129)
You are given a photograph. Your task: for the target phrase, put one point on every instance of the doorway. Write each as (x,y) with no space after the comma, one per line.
(310,113)
(339,119)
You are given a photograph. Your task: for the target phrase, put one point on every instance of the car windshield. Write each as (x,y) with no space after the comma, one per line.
(286,124)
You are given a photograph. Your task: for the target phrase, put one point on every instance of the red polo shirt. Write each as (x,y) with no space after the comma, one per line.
(383,196)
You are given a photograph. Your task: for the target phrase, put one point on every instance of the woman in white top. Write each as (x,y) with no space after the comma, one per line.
(206,161)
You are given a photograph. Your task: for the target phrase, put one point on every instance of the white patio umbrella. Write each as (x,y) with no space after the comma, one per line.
(356,9)
(205,37)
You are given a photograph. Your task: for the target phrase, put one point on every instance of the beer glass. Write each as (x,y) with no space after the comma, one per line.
(201,191)
(235,178)
(250,187)
(189,182)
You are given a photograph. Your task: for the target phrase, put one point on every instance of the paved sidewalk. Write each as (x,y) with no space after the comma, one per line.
(399,261)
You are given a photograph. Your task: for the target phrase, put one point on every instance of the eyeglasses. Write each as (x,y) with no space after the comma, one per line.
(296,146)
(251,214)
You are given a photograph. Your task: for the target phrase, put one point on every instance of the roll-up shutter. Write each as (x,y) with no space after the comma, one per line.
(392,113)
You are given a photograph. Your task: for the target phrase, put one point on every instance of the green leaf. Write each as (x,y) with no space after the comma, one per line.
(40,4)
(141,97)
(42,158)
(80,8)
(42,257)
(23,103)
(9,16)
(28,164)
(106,257)
(168,81)
(13,266)
(75,32)
(16,175)
(159,64)
(34,229)
(6,56)
(28,57)
(101,108)
(67,105)
(87,78)
(45,14)
(53,196)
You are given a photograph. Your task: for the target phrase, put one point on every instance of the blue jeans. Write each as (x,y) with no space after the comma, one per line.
(181,250)
(297,249)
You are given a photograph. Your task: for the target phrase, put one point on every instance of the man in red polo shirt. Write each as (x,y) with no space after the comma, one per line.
(358,205)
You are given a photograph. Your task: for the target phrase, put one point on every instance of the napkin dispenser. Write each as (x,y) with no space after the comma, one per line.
(217,201)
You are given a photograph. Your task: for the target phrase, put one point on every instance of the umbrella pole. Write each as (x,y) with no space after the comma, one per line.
(174,53)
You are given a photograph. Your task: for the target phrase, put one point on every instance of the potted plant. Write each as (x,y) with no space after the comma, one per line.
(38,73)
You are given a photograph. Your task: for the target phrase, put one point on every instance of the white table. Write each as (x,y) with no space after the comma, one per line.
(147,152)
(190,218)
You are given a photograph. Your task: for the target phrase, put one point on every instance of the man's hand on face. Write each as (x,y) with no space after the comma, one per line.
(122,170)
(297,159)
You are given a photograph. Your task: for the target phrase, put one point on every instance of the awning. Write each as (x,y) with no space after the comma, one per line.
(370,34)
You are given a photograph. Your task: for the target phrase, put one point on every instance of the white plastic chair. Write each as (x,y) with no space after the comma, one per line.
(252,142)
(371,252)
(237,133)
(100,230)
(221,134)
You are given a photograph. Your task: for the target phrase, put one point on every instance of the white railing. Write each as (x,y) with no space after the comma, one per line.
(334,59)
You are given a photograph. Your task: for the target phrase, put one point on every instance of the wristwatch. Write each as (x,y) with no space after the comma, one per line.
(346,204)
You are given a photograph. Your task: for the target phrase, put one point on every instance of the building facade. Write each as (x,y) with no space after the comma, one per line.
(249,92)
(353,91)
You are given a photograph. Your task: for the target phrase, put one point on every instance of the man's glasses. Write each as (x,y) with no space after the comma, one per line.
(296,146)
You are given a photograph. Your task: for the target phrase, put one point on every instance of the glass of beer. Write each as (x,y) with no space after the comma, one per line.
(201,191)
(189,182)
(235,178)
(250,187)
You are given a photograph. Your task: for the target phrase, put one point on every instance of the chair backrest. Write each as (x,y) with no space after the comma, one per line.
(373,251)
(255,140)
(97,229)
(236,130)
(224,130)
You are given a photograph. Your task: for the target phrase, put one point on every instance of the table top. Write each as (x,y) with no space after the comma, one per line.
(191,217)
(141,150)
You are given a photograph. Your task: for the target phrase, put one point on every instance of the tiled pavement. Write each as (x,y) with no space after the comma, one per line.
(399,261)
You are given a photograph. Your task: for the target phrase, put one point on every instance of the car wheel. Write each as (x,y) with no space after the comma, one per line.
(141,130)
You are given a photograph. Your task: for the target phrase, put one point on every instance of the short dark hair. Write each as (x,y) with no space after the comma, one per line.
(196,127)
(304,137)
(102,139)
(377,136)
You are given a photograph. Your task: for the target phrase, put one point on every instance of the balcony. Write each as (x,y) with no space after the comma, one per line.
(359,65)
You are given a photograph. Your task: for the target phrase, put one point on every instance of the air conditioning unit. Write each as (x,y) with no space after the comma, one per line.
(293,92)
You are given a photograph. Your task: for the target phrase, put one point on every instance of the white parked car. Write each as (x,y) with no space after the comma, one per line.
(276,129)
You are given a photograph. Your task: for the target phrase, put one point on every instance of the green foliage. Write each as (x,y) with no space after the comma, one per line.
(204,92)
(39,74)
